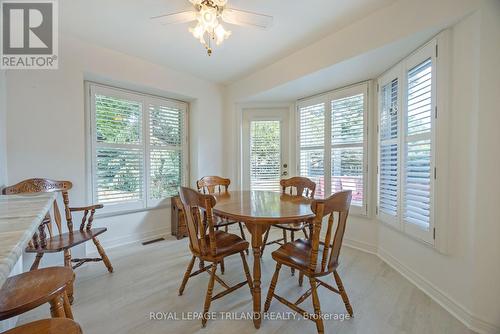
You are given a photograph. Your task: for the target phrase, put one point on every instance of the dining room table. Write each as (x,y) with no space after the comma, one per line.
(259,210)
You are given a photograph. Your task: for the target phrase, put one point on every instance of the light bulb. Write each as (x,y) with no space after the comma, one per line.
(221,34)
(197,31)
(208,17)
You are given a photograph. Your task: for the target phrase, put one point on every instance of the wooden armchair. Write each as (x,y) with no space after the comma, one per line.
(315,258)
(42,243)
(209,245)
(295,186)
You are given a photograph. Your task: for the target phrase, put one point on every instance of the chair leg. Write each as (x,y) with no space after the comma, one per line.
(67,263)
(343,294)
(292,239)
(103,255)
(270,293)
(222,267)
(265,241)
(242,231)
(208,297)
(316,305)
(67,306)
(305,233)
(36,263)
(57,307)
(247,272)
(186,275)
(301,278)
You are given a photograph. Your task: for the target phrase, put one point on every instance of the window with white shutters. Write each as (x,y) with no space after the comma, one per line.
(388,203)
(407,105)
(137,148)
(312,144)
(265,155)
(418,148)
(348,138)
(332,142)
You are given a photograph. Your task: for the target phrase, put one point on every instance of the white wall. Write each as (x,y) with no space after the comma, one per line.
(3,130)
(46,136)
(465,280)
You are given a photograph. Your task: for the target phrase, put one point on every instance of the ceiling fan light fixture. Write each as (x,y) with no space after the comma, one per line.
(209,16)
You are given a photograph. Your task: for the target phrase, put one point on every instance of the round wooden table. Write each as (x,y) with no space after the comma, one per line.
(258,210)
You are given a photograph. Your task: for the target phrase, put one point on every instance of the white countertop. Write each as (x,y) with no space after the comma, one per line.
(20,216)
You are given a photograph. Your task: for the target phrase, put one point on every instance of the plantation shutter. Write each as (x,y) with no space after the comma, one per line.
(265,155)
(166,133)
(347,156)
(119,164)
(418,150)
(388,150)
(138,148)
(312,144)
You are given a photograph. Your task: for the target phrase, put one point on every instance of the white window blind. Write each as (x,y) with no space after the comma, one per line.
(389,150)
(312,144)
(406,144)
(417,182)
(348,133)
(265,155)
(119,149)
(137,148)
(166,131)
(332,142)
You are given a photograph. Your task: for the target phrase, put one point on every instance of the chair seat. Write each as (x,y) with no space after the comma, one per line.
(227,244)
(292,226)
(60,242)
(48,326)
(31,289)
(297,255)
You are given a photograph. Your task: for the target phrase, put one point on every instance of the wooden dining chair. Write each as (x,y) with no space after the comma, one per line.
(209,245)
(295,186)
(316,257)
(48,326)
(42,243)
(217,184)
(27,291)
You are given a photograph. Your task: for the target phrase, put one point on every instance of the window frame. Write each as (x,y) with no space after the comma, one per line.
(327,147)
(437,136)
(145,203)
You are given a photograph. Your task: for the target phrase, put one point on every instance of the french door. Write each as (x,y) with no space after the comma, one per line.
(265,148)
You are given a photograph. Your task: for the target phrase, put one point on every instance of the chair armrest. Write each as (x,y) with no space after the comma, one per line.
(87,208)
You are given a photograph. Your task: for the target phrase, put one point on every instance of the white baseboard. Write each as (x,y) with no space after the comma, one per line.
(456,309)
(360,245)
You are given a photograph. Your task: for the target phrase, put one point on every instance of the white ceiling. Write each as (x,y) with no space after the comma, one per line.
(124,25)
(360,68)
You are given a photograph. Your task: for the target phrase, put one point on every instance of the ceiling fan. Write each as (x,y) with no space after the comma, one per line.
(209,15)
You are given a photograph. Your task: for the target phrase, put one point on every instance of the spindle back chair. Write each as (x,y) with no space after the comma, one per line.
(294,186)
(61,241)
(209,245)
(317,256)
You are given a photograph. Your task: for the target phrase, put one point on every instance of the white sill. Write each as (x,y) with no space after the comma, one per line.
(409,236)
(127,212)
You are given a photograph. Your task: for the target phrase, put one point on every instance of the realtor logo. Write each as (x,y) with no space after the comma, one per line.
(29,34)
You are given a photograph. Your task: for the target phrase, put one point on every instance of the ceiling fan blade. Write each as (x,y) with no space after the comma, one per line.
(244,18)
(175,18)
